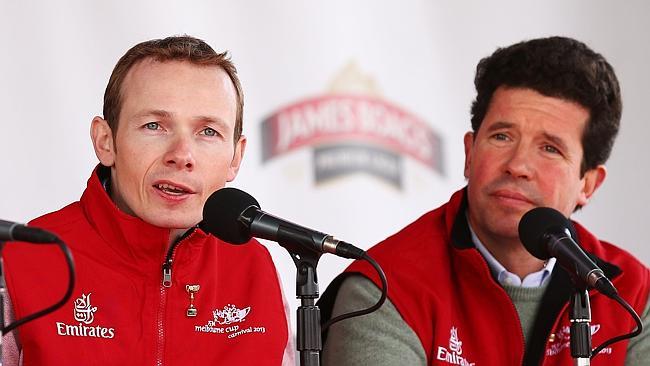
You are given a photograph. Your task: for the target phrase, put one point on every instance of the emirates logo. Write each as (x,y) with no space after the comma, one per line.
(83,311)
(453,355)
(84,315)
(455,344)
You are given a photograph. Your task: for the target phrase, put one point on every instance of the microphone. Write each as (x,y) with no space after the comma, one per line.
(13,231)
(546,233)
(234,216)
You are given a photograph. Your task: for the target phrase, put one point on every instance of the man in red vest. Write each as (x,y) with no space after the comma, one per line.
(462,289)
(153,288)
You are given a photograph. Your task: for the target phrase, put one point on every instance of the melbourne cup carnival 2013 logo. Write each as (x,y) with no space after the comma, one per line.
(230,322)
(352,129)
(230,314)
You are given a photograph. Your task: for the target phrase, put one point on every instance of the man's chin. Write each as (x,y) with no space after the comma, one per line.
(506,227)
(174,224)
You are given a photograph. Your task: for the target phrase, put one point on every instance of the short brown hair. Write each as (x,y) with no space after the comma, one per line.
(563,68)
(177,48)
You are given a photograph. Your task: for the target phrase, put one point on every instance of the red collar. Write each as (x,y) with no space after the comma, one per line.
(126,234)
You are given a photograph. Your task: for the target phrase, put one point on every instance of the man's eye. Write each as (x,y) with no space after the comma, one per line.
(210,132)
(152,126)
(500,137)
(551,149)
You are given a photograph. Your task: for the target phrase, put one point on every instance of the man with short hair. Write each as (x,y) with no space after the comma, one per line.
(462,289)
(153,288)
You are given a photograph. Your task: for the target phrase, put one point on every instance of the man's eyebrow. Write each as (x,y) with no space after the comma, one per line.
(211,119)
(154,112)
(500,125)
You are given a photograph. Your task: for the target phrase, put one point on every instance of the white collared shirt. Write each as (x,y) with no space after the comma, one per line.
(535,279)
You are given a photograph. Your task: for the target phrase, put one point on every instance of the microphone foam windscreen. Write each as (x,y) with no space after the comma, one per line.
(222,212)
(538,222)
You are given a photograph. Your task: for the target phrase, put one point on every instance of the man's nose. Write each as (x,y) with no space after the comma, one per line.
(519,162)
(180,153)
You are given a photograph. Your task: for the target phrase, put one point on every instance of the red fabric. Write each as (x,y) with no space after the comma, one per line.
(118,262)
(439,289)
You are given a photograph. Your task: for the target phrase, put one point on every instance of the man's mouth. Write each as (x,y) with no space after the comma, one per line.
(512,196)
(171,189)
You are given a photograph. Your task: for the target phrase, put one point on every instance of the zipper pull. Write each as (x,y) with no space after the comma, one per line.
(167,275)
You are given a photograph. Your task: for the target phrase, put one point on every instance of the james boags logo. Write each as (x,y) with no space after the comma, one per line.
(352,130)
(84,313)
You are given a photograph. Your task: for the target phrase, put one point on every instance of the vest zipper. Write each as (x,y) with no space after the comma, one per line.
(166,283)
(161,329)
(487,272)
(167,265)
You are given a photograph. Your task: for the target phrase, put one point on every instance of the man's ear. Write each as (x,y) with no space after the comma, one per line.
(468,140)
(237,157)
(592,180)
(102,137)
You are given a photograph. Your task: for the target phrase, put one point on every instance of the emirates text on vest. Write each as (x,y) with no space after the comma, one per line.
(84,331)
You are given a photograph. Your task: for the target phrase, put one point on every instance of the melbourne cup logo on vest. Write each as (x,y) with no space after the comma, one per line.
(453,355)
(84,314)
(352,129)
(229,321)
(561,340)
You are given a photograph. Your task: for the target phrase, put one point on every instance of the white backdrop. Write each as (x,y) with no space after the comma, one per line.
(57,57)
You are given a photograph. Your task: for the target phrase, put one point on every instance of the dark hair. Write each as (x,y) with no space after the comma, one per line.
(178,48)
(562,68)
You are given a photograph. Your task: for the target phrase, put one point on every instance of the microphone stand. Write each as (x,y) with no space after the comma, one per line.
(580,331)
(3,293)
(308,335)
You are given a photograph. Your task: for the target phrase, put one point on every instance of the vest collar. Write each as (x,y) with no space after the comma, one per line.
(128,235)
(461,236)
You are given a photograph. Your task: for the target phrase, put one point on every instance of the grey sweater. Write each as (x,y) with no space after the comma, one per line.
(383,338)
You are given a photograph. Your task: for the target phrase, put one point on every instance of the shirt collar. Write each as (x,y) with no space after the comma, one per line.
(535,279)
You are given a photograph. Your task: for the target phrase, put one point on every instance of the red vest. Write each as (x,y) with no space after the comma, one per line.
(444,291)
(121,314)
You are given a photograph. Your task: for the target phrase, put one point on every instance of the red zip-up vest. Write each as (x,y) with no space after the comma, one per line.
(445,292)
(120,312)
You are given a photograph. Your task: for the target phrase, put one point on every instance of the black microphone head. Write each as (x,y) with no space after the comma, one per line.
(222,212)
(539,222)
